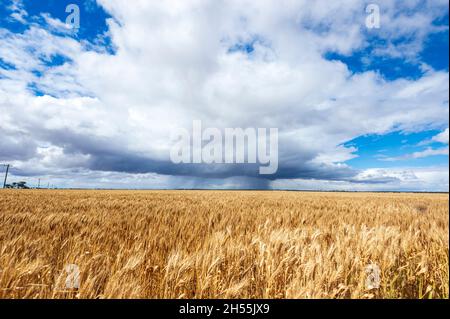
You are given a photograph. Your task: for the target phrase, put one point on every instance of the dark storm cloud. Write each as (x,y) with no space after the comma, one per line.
(111,155)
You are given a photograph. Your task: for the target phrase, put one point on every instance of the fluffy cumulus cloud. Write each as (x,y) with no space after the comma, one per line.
(81,114)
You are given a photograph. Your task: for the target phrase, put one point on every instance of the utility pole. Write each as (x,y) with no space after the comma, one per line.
(6,174)
(39,183)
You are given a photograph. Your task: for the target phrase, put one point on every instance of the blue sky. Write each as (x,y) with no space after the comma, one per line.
(387,150)
(357,108)
(94,17)
(374,149)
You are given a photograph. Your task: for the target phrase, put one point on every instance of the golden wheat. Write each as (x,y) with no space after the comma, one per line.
(222,244)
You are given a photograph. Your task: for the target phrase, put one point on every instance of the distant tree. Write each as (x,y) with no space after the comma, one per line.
(18,185)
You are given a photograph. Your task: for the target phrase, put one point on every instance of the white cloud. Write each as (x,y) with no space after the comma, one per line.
(379,179)
(441,137)
(430,152)
(420,154)
(18,12)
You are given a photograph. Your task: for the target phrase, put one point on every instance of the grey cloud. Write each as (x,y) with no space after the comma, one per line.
(16,145)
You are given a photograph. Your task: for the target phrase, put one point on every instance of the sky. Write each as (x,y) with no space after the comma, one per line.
(357,108)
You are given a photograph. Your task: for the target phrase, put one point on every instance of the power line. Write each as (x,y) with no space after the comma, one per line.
(6,174)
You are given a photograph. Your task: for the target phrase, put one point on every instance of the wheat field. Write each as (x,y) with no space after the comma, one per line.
(222,244)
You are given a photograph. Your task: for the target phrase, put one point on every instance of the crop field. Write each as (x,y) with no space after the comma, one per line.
(222,244)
